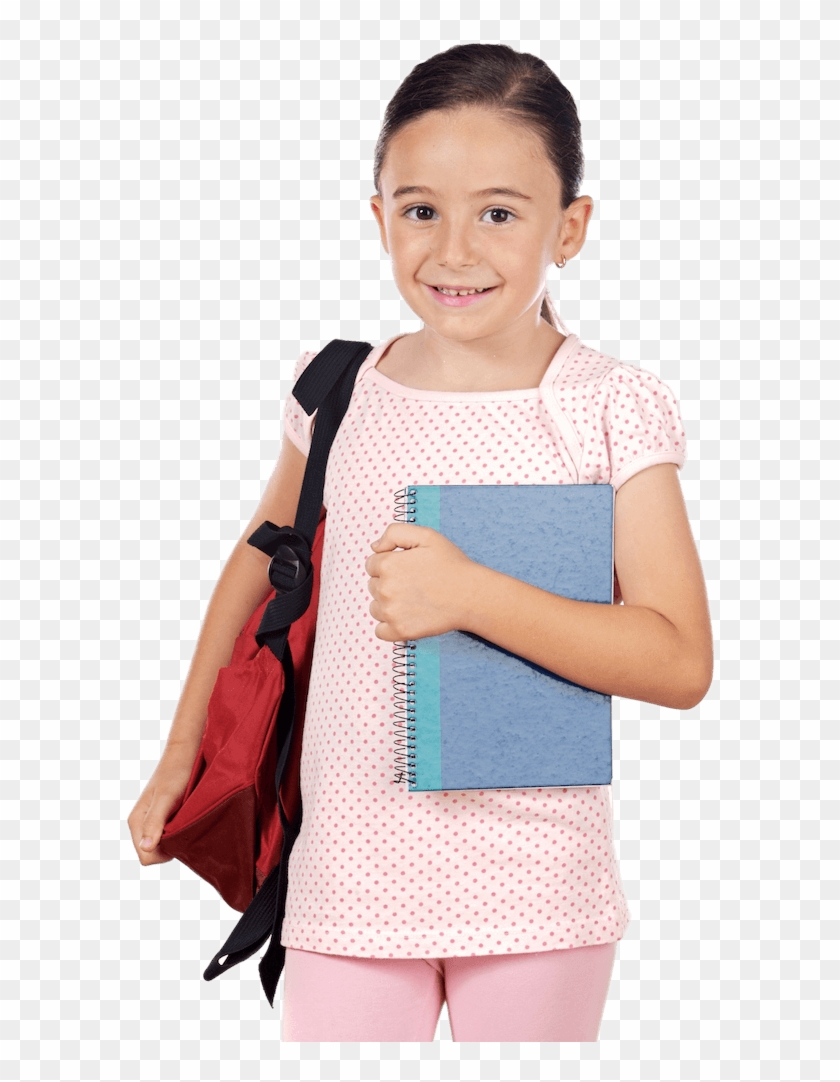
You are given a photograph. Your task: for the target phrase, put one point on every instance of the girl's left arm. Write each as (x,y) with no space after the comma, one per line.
(656,646)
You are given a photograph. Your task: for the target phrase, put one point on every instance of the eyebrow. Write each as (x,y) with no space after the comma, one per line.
(419,189)
(510,192)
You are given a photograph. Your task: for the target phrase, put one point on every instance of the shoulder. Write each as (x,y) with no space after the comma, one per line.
(626,418)
(303,362)
(298,426)
(631,396)
(584,367)
(587,372)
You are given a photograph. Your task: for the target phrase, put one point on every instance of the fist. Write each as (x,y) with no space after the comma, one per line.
(420,583)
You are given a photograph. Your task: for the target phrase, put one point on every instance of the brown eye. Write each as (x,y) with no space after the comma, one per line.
(499,216)
(421,214)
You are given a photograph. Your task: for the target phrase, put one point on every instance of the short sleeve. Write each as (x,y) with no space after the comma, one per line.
(297,423)
(636,424)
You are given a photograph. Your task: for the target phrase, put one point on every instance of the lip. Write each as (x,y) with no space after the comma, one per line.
(459,302)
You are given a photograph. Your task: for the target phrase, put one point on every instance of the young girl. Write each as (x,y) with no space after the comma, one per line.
(507,903)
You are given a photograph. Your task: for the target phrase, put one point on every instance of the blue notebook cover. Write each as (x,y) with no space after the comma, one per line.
(471,715)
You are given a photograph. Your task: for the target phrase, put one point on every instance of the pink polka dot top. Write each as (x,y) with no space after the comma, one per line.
(381,872)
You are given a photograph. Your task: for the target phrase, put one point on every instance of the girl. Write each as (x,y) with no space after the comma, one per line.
(507,903)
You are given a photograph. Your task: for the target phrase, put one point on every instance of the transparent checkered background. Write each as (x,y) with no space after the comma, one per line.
(183,209)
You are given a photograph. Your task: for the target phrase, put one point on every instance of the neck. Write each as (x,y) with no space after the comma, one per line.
(516,357)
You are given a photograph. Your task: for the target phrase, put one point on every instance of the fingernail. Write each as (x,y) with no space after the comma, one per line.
(146,843)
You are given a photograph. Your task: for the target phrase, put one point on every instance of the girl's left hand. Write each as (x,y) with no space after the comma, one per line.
(420,582)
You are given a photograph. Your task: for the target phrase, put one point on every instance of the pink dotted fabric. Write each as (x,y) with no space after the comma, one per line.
(625,418)
(378,871)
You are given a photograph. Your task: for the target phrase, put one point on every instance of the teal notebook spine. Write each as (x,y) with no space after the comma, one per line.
(417,694)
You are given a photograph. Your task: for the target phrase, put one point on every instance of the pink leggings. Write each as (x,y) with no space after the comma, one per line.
(556,995)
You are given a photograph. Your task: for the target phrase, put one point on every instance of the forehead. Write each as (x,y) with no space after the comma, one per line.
(468,149)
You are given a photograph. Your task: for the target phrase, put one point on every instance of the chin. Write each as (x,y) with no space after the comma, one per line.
(459,325)
(461,332)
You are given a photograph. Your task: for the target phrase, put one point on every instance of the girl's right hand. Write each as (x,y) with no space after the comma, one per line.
(149,814)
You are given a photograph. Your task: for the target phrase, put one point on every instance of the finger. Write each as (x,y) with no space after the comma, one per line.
(385,631)
(402,535)
(136,818)
(155,857)
(153,824)
(145,857)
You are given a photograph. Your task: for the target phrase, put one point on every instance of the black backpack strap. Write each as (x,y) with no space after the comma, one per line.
(320,375)
(335,371)
(326,385)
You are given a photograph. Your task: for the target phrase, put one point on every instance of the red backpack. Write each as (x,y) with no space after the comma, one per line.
(240,813)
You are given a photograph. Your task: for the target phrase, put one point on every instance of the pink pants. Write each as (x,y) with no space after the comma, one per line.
(556,995)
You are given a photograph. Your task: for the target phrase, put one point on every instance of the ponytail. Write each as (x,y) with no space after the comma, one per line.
(549,313)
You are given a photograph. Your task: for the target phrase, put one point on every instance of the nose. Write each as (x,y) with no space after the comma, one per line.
(454,244)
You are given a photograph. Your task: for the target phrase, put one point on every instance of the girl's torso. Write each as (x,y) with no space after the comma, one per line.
(380,872)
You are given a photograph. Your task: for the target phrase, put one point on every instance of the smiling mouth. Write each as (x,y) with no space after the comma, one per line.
(461,292)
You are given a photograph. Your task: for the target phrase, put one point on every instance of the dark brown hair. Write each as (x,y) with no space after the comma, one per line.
(496,77)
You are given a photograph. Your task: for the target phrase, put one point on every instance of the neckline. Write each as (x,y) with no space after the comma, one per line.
(369,371)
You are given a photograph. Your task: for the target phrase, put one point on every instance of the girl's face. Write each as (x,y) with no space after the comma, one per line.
(470,214)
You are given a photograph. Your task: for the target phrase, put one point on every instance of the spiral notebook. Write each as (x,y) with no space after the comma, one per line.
(470,715)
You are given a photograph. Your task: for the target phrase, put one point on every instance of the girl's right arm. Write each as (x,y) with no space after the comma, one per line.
(241,586)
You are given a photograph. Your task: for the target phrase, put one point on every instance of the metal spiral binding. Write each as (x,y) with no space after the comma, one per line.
(404,665)
(405,506)
(405,696)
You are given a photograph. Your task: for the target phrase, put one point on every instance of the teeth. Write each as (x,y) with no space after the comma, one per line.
(460,292)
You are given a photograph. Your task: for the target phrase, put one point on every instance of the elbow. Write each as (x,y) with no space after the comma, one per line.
(688,699)
(691,687)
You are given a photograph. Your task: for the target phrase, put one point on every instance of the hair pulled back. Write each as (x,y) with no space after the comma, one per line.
(495,77)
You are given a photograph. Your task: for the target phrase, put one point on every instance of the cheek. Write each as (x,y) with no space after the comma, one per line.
(521,262)
(407,249)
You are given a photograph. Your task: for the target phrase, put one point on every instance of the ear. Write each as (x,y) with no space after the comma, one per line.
(572,232)
(379,214)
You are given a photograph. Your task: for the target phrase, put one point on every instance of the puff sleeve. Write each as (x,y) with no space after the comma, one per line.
(297,423)
(636,424)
